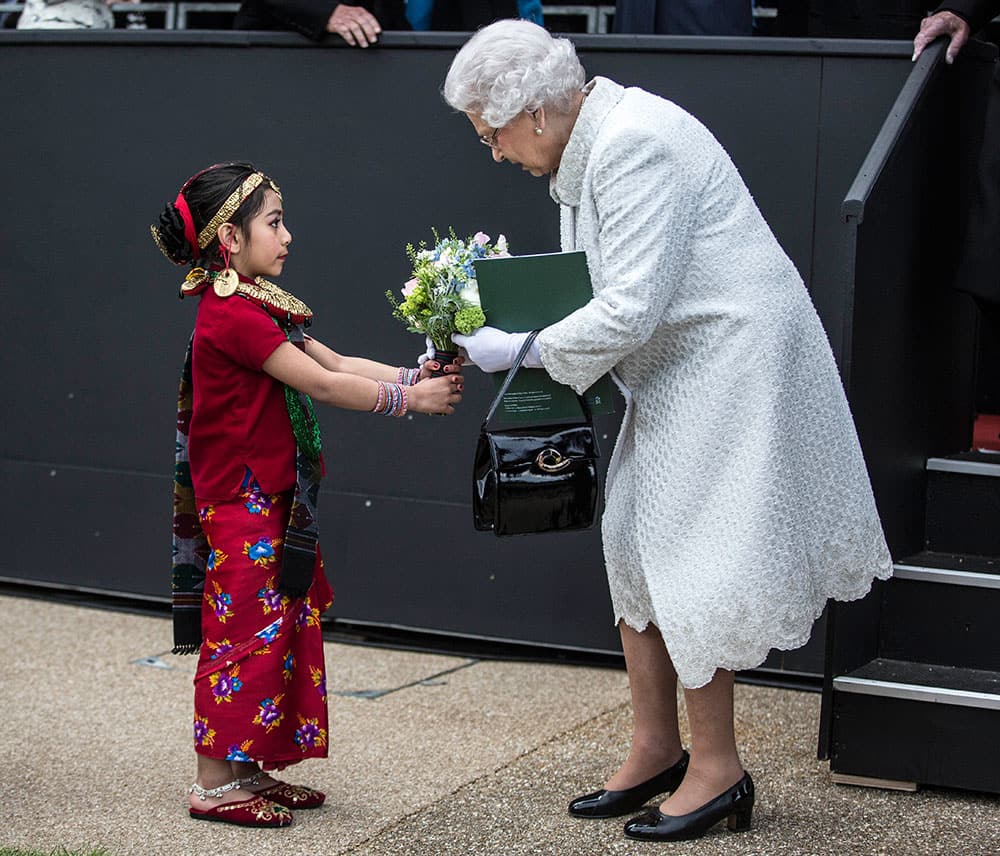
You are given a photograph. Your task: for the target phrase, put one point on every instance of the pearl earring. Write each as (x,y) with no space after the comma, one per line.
(538,131)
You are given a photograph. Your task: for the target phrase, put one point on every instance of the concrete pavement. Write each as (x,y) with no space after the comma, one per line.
(429,756)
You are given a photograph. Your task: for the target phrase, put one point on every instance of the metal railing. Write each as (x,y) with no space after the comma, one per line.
(178,16)
(596,18)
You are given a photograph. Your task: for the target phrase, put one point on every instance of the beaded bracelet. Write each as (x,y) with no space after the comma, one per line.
(407,377)
(392,399)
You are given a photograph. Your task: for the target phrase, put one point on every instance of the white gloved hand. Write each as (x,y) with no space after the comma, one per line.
(494,350)
(429,354)
(466,359)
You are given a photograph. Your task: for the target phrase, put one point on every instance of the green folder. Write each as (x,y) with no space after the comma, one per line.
(523,293)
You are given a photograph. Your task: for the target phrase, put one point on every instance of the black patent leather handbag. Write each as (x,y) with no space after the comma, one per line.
(535,478)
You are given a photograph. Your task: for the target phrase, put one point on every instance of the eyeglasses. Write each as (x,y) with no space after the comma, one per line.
(490,139)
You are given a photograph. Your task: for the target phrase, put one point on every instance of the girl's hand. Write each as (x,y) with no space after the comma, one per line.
(428,368)
(436,394)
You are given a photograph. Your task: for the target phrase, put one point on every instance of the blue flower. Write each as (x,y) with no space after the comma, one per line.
(261,550)
(269,633)
(237,754)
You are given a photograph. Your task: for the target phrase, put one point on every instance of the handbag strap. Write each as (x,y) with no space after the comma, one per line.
(510,377)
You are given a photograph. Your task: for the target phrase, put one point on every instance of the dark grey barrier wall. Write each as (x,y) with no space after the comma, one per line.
(100,130)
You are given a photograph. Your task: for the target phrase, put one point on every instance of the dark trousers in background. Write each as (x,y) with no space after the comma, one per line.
(685,17)
(470,15)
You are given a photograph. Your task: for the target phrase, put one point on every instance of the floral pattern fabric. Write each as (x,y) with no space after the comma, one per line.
(260,687)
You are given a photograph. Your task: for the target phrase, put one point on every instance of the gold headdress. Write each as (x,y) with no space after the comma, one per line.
(232,204)
(229,207)
(225,282)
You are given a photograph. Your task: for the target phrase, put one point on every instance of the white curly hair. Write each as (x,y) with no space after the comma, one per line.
(511,66)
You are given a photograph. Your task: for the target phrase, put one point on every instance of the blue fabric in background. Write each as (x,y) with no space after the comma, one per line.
(530,10)
(419,12)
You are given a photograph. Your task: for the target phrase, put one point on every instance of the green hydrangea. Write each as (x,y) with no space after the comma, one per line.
(469,319)
(418,300)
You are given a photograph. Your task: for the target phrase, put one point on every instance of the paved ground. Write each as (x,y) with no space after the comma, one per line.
(430,756)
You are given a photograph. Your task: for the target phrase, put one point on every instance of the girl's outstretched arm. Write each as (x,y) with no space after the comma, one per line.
(330,359)
(334,362)
(353,391)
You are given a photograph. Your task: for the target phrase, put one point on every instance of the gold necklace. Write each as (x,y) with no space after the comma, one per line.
(261,289)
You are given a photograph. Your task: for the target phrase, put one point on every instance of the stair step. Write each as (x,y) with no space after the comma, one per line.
(968,463)
(917,723)
(924,682)
(949,568)
(963,504)
(941,615)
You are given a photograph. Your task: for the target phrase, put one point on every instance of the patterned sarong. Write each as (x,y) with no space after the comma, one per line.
(260,688)
(189,546)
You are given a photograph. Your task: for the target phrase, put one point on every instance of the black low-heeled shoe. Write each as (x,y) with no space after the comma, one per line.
(602,804)
(736,804)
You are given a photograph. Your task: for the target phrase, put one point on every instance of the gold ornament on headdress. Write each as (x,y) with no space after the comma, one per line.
(158,240)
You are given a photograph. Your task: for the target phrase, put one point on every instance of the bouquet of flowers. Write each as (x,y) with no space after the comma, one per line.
(442,296)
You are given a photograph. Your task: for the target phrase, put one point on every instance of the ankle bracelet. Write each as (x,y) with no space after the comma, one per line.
(250,781)
(205,793)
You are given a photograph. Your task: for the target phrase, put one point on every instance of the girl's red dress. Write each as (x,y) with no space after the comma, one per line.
(260,688)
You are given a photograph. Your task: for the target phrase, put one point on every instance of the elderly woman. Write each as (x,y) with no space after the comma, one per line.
(737,500)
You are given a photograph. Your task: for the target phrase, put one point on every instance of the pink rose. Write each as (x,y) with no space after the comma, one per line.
(409,287)
(481,238)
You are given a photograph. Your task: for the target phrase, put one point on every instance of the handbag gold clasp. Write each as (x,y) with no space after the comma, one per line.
(551,461)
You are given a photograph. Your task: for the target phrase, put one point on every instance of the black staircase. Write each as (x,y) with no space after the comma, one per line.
(925,709)
(911,691)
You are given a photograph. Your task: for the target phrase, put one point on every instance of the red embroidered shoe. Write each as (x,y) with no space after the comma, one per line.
(293,796)
(252,812)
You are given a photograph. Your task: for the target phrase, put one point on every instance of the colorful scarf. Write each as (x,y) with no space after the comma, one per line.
(190,546)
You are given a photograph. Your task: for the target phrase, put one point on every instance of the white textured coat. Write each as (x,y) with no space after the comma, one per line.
(737,500)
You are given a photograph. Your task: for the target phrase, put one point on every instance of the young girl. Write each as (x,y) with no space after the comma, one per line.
(248,583)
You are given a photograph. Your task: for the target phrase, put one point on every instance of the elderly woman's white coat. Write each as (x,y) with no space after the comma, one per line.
(737,500)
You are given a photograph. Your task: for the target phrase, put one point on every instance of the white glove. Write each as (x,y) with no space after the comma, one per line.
(494,350)
(429,354)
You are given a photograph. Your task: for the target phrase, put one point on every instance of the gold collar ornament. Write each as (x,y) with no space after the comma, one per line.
(260,290)
(225,283)
(192,282)
(268,292)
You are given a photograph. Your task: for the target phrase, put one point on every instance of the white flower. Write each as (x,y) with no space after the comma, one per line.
(470,294)
(501,246)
